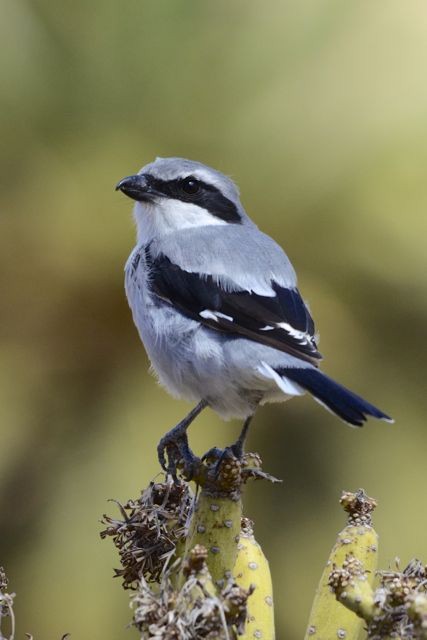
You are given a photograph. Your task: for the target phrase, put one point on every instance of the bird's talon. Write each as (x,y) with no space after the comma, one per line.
(174,453)
(215,453)
(237,450)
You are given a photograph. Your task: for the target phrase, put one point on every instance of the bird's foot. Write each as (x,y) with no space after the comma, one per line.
(174,453)
(223,461)
(235,451)
(215,457)
(174,446)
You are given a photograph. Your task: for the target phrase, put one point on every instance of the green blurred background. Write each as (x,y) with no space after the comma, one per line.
(318,109)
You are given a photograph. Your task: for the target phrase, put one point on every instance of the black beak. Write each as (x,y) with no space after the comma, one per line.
(136,187)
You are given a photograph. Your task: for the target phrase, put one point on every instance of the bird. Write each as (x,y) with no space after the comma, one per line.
(217,305)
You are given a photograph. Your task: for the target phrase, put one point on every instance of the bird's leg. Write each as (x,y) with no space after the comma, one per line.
(238,448)
(235,450)
(175,445)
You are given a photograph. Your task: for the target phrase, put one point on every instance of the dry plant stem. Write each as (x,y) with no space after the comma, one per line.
(328,618)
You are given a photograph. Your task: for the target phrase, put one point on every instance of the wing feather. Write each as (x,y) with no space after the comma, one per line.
(281,321)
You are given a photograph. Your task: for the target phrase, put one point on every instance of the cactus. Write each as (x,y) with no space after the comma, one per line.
(396,609)
(197,572)
(328,619)
(215,520)
(194,564)
(252,570)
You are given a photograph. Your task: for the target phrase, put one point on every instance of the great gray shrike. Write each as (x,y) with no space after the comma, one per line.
(217,306)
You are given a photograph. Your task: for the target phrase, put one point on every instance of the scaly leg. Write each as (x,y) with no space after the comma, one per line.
(238,448)
(175,445)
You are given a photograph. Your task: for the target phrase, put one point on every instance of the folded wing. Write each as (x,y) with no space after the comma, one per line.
(281,321)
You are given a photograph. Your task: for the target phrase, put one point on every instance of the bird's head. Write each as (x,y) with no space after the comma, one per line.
(174,193)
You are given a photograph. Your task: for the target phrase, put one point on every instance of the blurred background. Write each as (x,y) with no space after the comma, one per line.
(319,111)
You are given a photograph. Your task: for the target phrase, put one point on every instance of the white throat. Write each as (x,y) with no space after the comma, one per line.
(168,215)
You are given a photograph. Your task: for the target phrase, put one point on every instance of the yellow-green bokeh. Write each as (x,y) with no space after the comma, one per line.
(319,111)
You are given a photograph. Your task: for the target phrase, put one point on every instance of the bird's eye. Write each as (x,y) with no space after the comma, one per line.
(190,185)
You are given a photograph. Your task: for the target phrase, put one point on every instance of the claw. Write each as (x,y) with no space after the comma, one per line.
(217,457)
(238,450)
(174,452)
(174,445)
(213,454)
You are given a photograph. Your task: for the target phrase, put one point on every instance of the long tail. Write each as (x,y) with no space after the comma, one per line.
(341,401)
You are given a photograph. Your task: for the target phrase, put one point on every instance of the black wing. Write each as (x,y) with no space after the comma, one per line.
(281,321)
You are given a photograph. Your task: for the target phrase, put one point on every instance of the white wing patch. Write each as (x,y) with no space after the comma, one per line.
(301,336)
(207,314)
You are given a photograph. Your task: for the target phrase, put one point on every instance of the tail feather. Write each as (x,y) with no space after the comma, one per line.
(341,401)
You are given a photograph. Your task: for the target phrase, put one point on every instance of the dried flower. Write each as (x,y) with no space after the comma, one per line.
(149,531)
(193,612)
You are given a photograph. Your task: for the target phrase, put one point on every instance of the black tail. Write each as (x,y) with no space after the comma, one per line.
(346,404)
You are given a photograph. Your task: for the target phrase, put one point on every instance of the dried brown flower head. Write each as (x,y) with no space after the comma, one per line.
(195,611)
(359,507)
(149,531)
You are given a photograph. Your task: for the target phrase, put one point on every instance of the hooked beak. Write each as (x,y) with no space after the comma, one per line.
(136,187)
